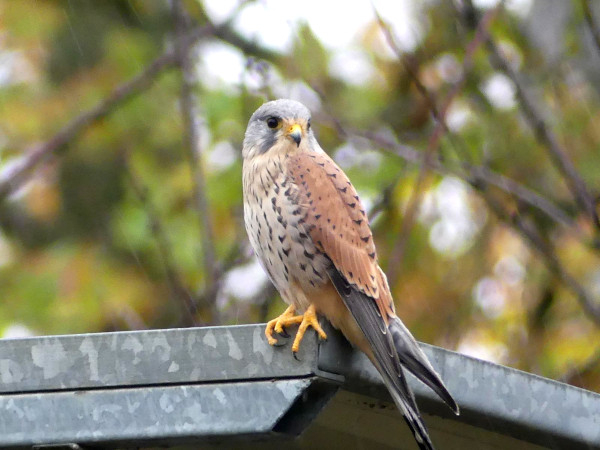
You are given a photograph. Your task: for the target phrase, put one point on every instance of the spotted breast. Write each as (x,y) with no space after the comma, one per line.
(277,228)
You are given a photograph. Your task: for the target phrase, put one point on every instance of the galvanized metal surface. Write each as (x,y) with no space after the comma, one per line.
(146,416)
(113,387)
(148,357)
(493,397)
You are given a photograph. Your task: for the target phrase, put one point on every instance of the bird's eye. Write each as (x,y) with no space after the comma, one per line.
(272,122)
(308,125)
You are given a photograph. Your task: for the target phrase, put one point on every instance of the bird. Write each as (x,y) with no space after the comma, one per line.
(311,234)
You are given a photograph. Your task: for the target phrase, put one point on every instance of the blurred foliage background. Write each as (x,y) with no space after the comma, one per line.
(471,130)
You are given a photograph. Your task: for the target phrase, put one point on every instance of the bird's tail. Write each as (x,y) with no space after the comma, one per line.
(392,346)
(406,404)
(414,359)
(386,355)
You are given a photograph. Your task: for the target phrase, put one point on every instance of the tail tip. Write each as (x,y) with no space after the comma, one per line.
(451,403)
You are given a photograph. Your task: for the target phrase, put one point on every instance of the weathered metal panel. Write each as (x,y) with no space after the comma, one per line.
(149,415)
(172,386)
(490,396)
(148,357)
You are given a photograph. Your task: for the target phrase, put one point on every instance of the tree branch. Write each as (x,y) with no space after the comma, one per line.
(545,249)
(230,36)
(35,155)
(40,153)
(557,154)
(591,23)
(575,373)
(179,292)
(194,153)
(478,176)
(438,133)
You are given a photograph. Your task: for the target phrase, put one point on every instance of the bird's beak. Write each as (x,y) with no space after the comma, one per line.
(295,132)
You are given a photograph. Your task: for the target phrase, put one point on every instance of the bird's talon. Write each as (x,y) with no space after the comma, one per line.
(284,333)
(309,318)
(276,325)
(295,356)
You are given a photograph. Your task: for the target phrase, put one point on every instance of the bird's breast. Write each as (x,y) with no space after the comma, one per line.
(275,223)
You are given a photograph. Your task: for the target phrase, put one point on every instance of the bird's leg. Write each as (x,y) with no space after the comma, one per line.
(308,318)
(287,318)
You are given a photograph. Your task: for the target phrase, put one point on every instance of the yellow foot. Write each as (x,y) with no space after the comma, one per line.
(309,318)
(277,324)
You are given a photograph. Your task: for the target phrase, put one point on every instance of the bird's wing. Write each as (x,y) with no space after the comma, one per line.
(365,311)
(337,223)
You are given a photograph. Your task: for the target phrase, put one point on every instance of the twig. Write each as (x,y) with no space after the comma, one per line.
(229,35)
(545,249)
(194,153)
(39,153)
(126,314)
(391,40)
(587,367)
(557,154)
(591,22)
(478,176)
(179,292)
(482,174)
(440,129)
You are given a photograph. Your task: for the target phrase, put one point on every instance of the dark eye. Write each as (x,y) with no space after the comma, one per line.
(272,122)
(308,125)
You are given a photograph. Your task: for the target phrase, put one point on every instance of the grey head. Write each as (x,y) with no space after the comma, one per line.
(276,120)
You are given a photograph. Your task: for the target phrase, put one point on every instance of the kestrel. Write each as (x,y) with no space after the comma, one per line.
(311,234)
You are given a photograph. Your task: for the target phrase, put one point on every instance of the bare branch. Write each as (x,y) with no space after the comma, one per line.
(481,174)
(194,153)
(588,367)
(556,152)
(545,249)
(179,292)
(478,176)
(391,40)
(439,131)
(38,153)
(591,23)
(230,36)
(129,317)
(41,152)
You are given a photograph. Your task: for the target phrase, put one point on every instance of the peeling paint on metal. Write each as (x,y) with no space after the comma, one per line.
(88,349)
(258,346)
(209,339)
(10,371)
(234,348)
(50,355)
(133,343)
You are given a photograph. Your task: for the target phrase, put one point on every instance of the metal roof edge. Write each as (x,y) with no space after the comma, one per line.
(490,396)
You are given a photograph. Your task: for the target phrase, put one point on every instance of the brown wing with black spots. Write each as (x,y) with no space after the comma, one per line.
(338,224)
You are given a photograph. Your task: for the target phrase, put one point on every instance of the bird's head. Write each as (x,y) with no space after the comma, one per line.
(280,125)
